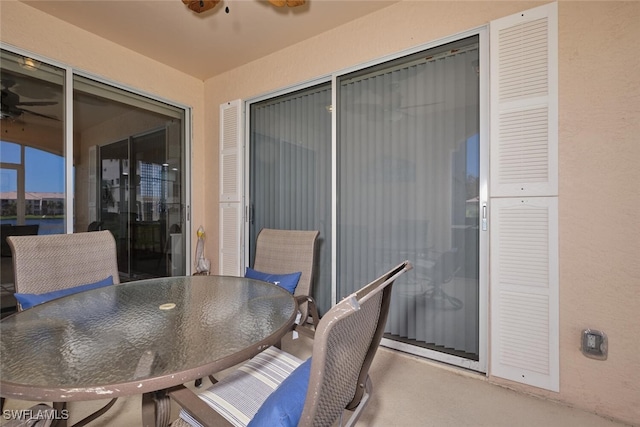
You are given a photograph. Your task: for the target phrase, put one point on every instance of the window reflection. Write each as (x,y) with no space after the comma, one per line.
(132,183)
(43,198)
(32,147)
(148,185)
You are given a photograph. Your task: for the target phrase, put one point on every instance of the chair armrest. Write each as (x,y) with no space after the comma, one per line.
(313,308)
(303,327)
(304,330)
(198,409)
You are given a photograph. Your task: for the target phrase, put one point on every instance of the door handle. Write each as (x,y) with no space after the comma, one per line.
(484,217)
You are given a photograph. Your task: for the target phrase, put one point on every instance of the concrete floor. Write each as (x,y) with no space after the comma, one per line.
(408,391)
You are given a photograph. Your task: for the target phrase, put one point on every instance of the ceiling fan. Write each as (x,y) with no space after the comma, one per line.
(200,6)
(11,107)
(392,106)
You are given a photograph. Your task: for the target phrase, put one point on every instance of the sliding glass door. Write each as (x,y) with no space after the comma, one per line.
(92,157)
(408,186)
(140,204)
(133,180)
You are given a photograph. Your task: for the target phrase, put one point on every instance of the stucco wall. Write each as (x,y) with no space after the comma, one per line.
(599,203)
(599,149)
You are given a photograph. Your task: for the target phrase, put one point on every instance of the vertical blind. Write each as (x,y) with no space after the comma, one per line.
(408,189)
(290,178)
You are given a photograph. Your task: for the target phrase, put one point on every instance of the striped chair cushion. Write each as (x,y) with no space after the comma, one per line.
(238,396)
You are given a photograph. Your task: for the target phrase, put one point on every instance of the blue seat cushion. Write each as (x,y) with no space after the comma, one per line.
(286,281)
(29,300)
(283,407)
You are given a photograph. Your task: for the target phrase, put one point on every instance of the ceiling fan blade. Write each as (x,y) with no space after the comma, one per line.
(290,3)
(40,114)
(36,103)
(200,6)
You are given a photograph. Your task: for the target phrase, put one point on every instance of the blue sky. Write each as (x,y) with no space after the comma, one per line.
(44,172)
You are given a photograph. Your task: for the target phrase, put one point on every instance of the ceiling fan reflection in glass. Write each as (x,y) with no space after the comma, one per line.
(200,6)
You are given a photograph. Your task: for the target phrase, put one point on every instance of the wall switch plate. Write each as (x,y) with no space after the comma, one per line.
(594,344)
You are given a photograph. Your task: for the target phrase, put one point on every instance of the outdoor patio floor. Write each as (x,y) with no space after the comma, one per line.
(407,391)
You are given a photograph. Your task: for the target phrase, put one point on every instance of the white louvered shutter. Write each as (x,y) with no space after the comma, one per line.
(231,209)
(524,198)
(524,290)
(524,106)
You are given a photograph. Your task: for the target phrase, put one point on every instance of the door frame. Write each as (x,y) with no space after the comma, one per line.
(481,365)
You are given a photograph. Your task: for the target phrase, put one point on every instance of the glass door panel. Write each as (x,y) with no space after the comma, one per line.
(290,178)
(131,179)
(150,238)
(9,198)
(32,141)
(408,155)
(44,172)
(114,198)
(31,156)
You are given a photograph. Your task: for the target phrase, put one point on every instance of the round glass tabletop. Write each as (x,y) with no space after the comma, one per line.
(139,336)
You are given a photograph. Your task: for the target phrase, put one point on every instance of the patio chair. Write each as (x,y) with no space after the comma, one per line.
(290,251)
(312,393)
(51,266)
(282,254)
(59,264)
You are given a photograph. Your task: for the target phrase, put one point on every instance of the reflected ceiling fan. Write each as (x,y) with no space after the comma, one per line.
(393,106)
(11,107)
(200,6)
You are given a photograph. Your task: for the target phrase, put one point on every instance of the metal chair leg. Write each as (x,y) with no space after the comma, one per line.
(96,414)
(59,408)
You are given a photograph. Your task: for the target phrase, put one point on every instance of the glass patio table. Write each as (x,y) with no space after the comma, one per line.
(140,337)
